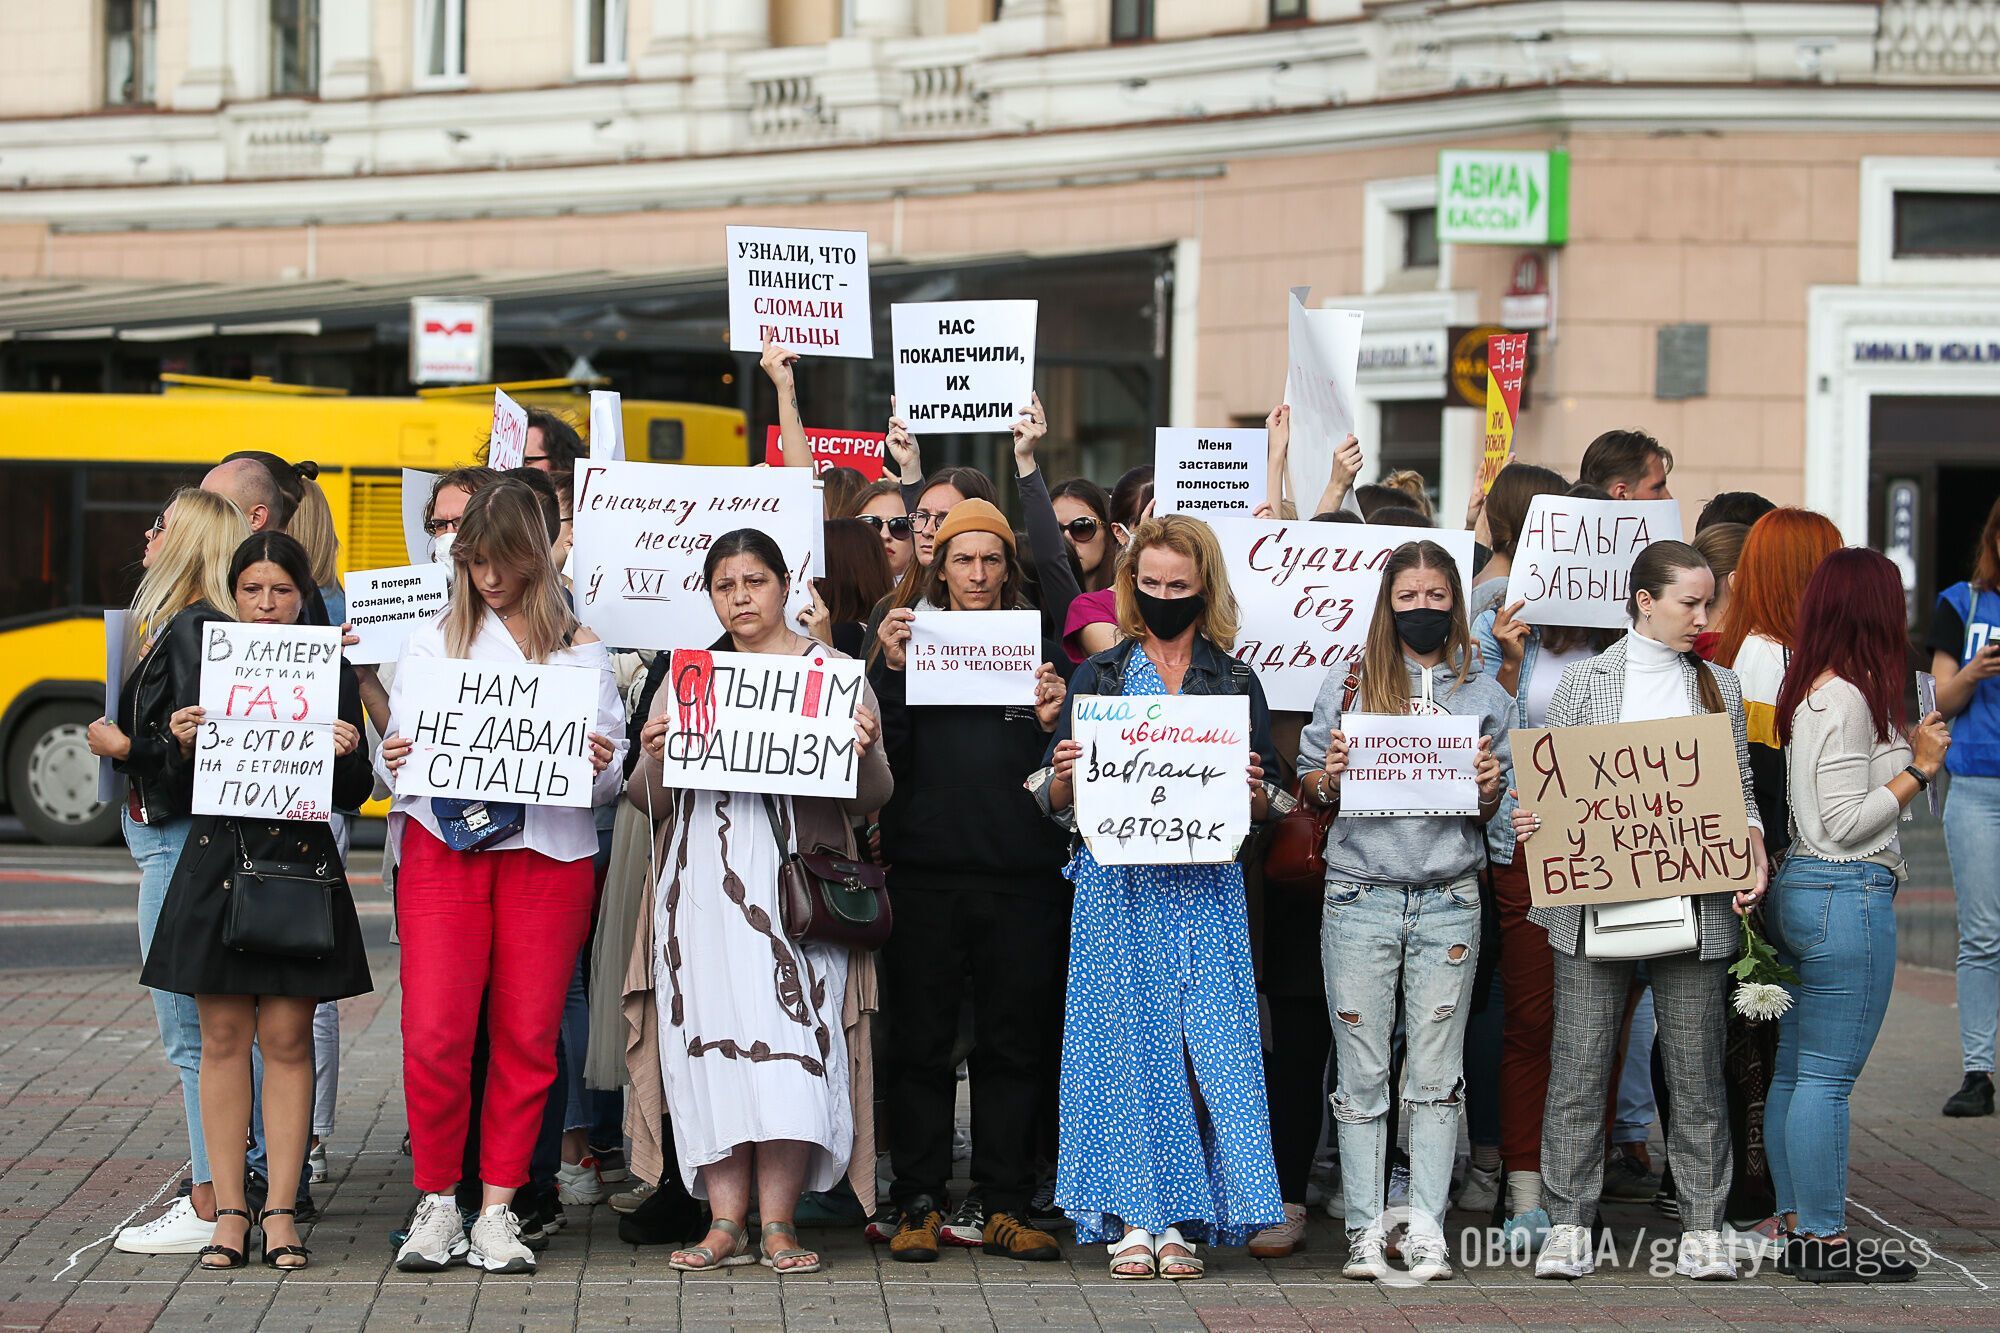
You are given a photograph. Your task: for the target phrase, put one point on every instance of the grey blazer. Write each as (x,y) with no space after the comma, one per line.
(1591,693)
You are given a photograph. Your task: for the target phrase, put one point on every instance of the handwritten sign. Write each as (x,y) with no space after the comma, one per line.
(1410,765)
(497,732)
(607,425)
(417,488)
(1323,359)
(507,442)
(643,530)
(1506,365)
(384,605)
(1163,779)
(114,681)
(761,722)
(974,657)
(1306,591)
(1633,811)
(858,449)
(801,288)
(269,697)
(1204,472)
(1573,563)
(963,365)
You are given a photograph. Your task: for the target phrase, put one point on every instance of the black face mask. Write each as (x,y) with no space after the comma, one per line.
(1167,617)
(1423,631)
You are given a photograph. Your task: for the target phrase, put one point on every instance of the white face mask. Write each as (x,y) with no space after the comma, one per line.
(441,546)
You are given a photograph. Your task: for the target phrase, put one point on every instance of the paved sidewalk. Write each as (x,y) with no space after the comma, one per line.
(92,1137)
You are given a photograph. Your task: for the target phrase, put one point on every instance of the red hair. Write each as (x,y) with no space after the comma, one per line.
(1779,556)
(1850,623)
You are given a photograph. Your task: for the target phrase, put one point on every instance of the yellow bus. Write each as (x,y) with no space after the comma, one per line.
(83,475)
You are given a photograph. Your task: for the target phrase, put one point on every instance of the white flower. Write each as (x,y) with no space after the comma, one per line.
(1761,1000)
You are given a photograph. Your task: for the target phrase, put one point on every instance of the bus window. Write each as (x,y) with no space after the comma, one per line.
(119,504)
(36,560)
(666,440)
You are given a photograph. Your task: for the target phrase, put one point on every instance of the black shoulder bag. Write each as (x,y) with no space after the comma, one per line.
(280,908)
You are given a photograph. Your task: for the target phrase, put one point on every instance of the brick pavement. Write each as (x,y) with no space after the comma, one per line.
(94,1136)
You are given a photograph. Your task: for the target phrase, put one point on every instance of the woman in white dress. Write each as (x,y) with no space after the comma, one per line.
(753,1028)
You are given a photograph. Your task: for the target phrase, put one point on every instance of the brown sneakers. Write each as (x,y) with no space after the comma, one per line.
(916,1238)
(1010,1238)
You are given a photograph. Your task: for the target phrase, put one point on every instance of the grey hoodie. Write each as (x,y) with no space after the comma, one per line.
(1412,849)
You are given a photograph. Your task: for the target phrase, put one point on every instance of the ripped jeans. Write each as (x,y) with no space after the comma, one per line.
(1420,944)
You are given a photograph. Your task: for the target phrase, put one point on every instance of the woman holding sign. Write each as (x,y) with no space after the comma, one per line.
(242,989)
(1401,920)
(1166,1138)
(493,897)
(1649,675)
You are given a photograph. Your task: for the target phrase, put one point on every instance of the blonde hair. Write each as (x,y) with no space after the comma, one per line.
(503,522)
(1411,483)
(1385,685)
(1196,540)
(312,527)
(192,562)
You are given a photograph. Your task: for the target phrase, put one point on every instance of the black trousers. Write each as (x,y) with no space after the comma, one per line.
(1295,1079)
(1007,948)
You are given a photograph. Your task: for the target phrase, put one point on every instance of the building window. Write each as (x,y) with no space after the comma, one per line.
(294,48)
(1412,436)
(1935,224)
(1131,20)
(1420,237)
(440,41)
(600,38)
(1288,11)
(128,52)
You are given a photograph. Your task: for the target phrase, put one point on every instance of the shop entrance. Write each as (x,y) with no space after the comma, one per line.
(1934,472)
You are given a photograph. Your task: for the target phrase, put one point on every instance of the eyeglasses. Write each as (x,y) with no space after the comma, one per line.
(899,528)
(437,527)
(1081,529)
(926,520)
(159,526)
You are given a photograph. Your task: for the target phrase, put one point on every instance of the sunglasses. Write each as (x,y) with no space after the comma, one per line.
(1081,529)
(899,528)
(159,526)
(437,527)
(926,520)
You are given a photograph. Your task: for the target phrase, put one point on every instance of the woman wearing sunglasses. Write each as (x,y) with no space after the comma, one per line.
(881,508)
(1084,511)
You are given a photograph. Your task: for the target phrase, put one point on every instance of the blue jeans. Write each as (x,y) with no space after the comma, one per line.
(1835,923)
(1376,942)
(1972,837)
(1633,1120)
(579,1112)
(157,849)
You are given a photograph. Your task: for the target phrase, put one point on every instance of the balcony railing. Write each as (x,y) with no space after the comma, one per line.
(1931,38)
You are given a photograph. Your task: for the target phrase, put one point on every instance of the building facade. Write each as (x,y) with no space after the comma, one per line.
(1782,254)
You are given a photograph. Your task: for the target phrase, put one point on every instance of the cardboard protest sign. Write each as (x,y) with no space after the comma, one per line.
(417,488)
(114,681)
(1632,811)
(384,605)
(762,722)
(800,288)
(269,697)
(1506,366)
(1306,591)
(858,449)
(974,657)
(1323,359)
(963,365)
(497,731)
(643,530)
(507,442)
(1163,779)
(1573,562)
(607,425)
(1204,472)
(1402,764)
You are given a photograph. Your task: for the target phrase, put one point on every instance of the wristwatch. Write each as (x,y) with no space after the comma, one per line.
(1923,778)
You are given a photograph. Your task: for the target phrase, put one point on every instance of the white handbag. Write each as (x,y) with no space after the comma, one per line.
(1654,928)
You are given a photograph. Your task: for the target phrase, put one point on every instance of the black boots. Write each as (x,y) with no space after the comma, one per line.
(1974,1096)
(671,1216)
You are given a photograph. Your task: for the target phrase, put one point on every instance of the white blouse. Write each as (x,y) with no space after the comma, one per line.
(559,832)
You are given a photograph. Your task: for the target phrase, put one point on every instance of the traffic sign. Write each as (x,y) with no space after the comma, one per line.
(1503,197)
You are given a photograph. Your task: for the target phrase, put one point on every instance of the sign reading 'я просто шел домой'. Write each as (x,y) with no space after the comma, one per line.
(1503,196)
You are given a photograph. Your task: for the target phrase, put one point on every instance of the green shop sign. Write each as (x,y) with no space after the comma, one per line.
(1498,197)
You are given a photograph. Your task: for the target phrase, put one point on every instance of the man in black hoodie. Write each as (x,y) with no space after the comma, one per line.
(976,877)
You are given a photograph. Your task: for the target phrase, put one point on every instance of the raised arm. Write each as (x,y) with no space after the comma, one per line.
(1046,546)
(778,362)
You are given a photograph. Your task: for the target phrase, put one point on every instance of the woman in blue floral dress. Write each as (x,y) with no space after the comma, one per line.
(1166,1137)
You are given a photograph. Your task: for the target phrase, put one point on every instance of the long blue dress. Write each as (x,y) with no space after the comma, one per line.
(1160,977)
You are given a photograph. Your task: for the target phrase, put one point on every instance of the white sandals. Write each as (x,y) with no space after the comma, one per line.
(1177,1267)
(1140,1249)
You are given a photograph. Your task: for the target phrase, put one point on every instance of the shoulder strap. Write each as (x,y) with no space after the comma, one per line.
(777,825)
(1348,689)
(1239,676)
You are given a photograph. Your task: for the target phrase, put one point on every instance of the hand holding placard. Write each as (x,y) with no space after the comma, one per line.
(973,657)
(1402,764)
(1573,563)
(269,697)
(804,288)
(1161,779)
(963,365)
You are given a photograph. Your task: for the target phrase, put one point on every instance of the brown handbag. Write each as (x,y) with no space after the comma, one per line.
(828,896)
(1295,858)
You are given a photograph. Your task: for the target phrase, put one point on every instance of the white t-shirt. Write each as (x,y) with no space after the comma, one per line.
(1541,683)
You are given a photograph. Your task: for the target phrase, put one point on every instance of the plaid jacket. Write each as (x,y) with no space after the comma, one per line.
(1592,693)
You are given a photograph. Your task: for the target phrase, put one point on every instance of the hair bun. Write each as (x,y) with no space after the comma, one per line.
(308,469)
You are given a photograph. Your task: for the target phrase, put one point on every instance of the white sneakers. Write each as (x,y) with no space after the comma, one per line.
(1481,1190)
(1365,1260)
(496,1242)
(437,1237)
(1705,1258)
(579,1186)
(1427,1258)
(1567,1253)
(179,1230)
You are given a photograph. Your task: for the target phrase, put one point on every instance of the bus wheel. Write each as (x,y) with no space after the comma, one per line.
(52,779)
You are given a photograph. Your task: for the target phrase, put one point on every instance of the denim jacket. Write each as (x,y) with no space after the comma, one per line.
(1500,832)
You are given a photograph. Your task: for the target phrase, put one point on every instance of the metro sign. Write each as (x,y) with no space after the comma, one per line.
(451,341)
(1495,197)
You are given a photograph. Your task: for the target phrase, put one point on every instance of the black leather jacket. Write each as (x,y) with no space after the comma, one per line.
(166,679)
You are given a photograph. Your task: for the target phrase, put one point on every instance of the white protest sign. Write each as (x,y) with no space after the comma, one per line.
(507,442)
(1305,593)
(1398,764)
(963,365)
(114,681)
(1323,358)
(1573,562)
(269,697)
(763,722)
(1204,472)
(497,731)
(974,657)
(800,288)
(384,605)
(1163,779)
(643,530)
(417,488)
(607,425)
(264,770)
